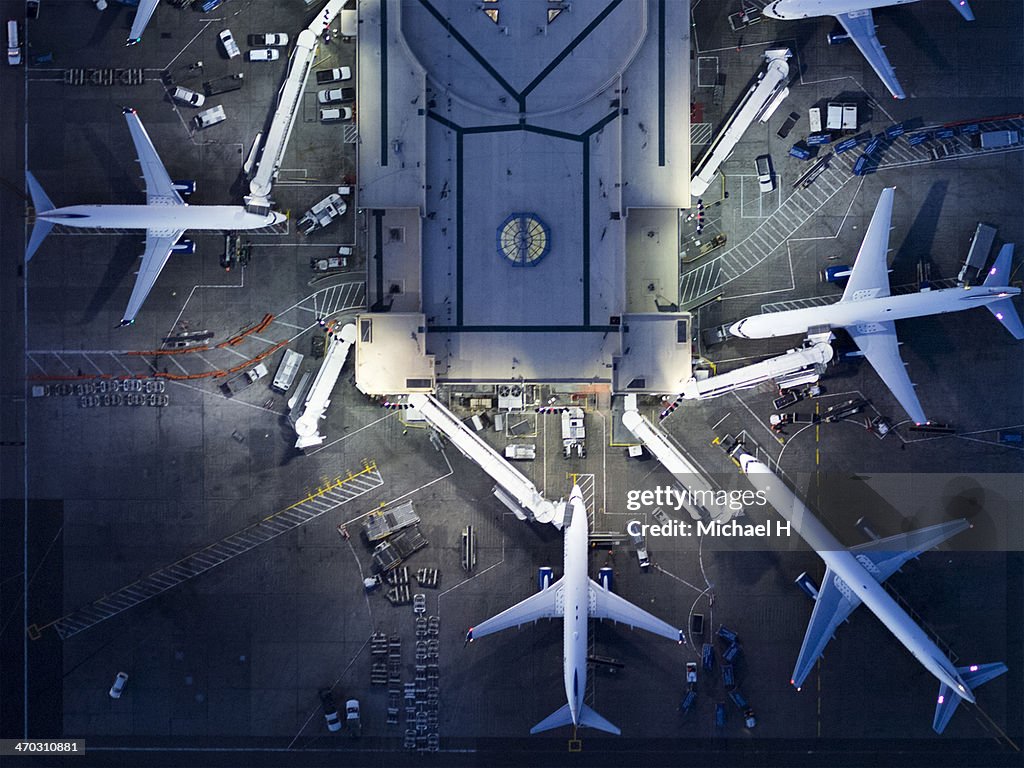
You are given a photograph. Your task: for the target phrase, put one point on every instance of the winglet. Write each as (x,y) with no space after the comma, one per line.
(964,8)
(42,204)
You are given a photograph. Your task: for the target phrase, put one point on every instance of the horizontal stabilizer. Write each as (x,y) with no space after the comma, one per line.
(558,718)
(998,276)
(964,8)
(563,716)
(591,719)
(42,204)
(1006,313)
(973,676)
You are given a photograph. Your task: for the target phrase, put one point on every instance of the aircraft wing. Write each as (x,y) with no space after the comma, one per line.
(831,608)
(158,249)
(860,26)
(542,605)
(880,346)
(882,558)
(142,16)
(869,278)
(608,605)
(159,187)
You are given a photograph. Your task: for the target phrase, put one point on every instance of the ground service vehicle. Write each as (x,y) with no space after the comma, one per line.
(264,54)
(335,114)
(120,681)
(186,96)
(269,39)
(325,76)
(209,117)
(228,41)
(330,711)
(765,175)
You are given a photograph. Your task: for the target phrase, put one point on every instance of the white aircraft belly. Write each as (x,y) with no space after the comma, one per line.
(848,314)
(802,9)
(160,217)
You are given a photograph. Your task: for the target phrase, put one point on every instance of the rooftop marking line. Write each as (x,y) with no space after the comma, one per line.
(569,48)
(487,66)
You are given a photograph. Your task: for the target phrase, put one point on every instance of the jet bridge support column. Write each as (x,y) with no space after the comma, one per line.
(700,499)
(514,490)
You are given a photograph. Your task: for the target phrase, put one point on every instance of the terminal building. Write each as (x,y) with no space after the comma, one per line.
(522,227)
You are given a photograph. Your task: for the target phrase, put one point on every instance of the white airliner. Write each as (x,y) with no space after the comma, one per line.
(142,16)
(576,598)
(867,311)
(856,18)
(854,576)
(165,216)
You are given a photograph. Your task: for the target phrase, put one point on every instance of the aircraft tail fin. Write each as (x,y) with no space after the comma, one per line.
(974,676)
(964,8)
(1004,311)
(1000,272)
(42,203)
(563,716)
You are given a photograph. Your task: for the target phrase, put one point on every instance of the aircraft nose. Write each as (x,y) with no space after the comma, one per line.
(770,10)
(736,329)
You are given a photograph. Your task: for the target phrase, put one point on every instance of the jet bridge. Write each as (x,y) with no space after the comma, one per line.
(307,424)
(514,490)
(700,498)
(760,103)
(283,120)
(805,365)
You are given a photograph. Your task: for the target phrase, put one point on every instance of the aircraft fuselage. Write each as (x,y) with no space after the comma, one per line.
(802,9)
(169,217)
(576,595)
(847,314)
(854,574)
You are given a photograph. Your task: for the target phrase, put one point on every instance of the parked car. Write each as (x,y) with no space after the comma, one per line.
(187,96)
(119,683)
(332,95)
(355,726)
(336,113)
(230,46)
(264,54)
(325,76)
(765,174)
(330,711)
(269,39)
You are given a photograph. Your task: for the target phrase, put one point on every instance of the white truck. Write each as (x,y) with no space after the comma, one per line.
(324,212)
(521,452)
(574,433)
(246,378)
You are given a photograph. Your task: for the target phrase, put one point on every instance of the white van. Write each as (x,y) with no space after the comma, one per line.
(13,44)
(287,371)
(209,117)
